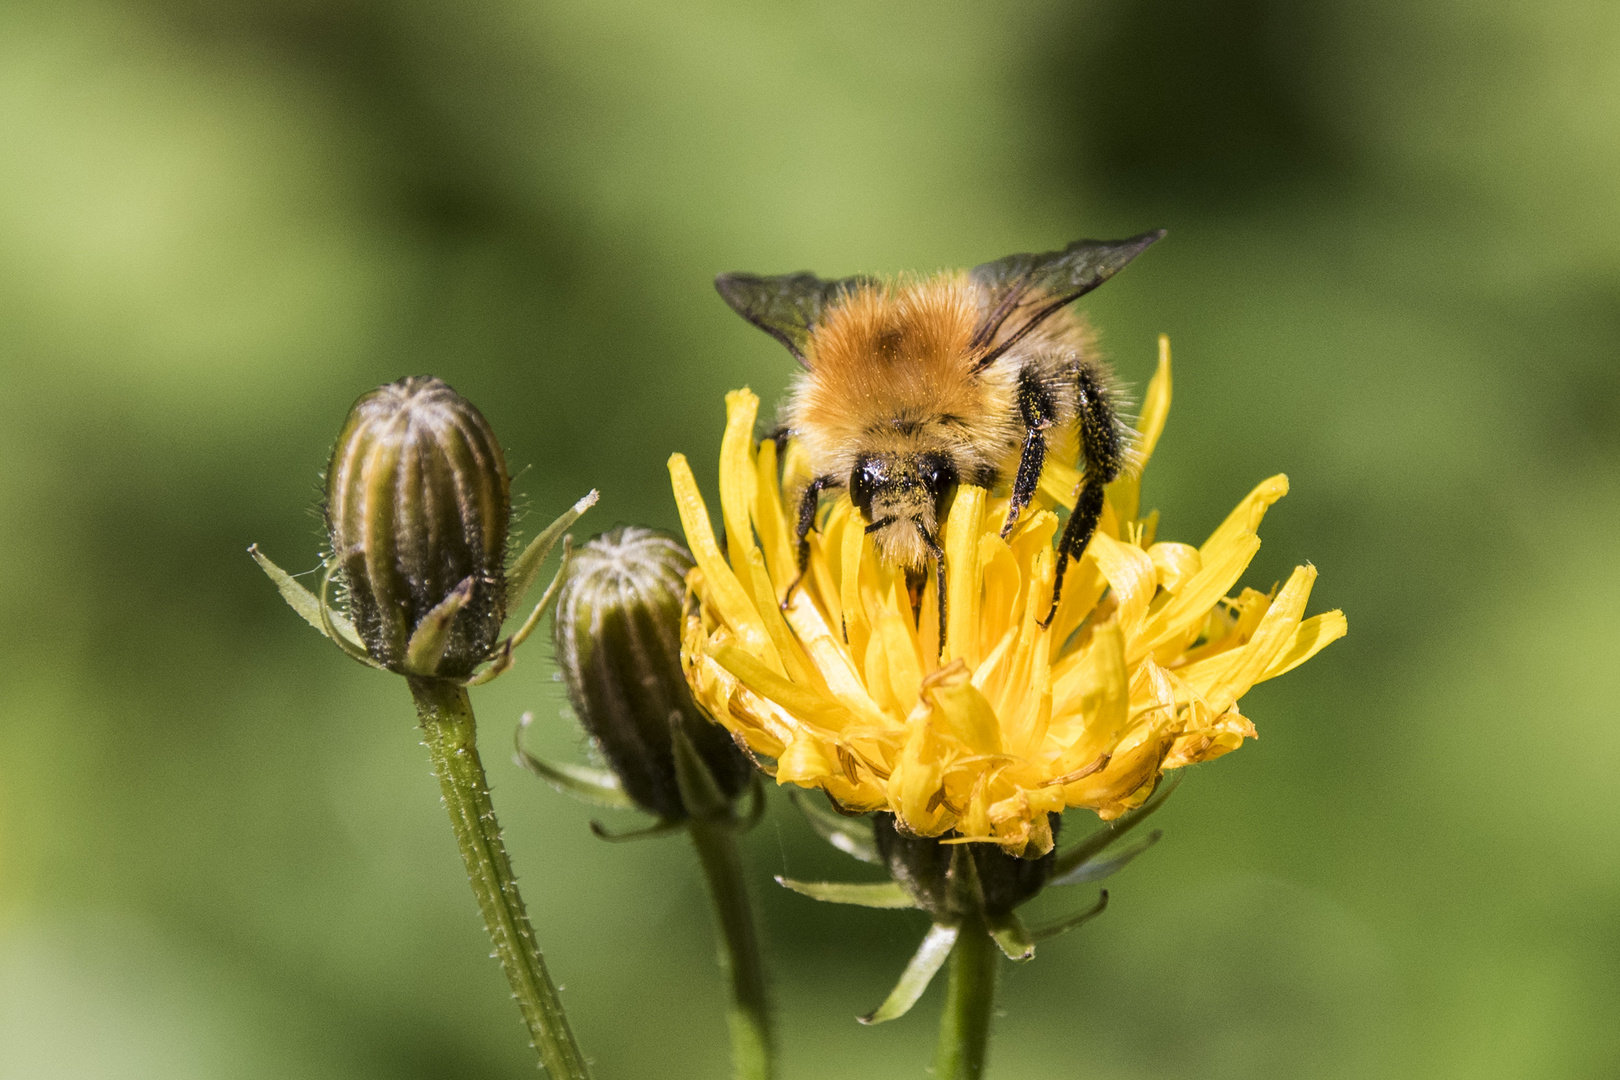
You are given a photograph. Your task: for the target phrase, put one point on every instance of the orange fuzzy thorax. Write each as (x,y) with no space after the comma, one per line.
(890,369)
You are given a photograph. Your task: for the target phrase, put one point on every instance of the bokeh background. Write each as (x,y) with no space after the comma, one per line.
(1393,271)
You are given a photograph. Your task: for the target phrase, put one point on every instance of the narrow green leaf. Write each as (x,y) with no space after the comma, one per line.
(1009,933)
(596,786)
(930,957)
(1093,845)
(526,568)
(301,599)
(851,835)
(1064,925)
(882,894)
(1098,869)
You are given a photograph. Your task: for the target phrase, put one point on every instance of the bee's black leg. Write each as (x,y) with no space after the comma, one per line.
(1102,453)
(780,436)
(807,521)
(1039,412)
(938,555)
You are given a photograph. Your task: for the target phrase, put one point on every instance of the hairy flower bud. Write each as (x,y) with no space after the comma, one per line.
(618,636)
(417,507)
(928,871)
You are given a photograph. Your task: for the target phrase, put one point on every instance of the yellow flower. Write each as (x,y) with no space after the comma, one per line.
(850,690)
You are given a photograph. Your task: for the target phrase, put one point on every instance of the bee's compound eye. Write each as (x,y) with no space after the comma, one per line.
(937,473)
(868,476)
(939,476)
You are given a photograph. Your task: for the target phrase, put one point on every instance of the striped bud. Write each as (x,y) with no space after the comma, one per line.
(933,874)
(417,507)
(618,637)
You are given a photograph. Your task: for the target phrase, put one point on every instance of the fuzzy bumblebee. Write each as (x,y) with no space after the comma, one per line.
(912,387)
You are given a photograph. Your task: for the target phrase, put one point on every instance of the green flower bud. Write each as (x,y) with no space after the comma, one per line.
(931,873)
(618,637)
(417,507)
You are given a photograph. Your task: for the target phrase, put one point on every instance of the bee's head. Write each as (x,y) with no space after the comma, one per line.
(902,497)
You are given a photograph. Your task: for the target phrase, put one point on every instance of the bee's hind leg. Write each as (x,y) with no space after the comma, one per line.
(808,501)
(1039,412)
(1102,452)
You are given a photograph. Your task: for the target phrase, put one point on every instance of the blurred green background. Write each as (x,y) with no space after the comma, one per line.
(1393,271)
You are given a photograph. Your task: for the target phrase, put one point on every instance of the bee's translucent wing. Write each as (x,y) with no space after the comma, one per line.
(788,306)
(1023,290)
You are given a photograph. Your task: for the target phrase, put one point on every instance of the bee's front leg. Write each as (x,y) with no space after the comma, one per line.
(1102,453)
(808,502)
(1039,412)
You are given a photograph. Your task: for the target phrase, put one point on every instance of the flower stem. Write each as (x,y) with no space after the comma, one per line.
(964,1029)
(449,730)
(753,1038)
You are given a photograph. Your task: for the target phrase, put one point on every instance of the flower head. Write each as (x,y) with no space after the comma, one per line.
(618,637)
(417,507)
(985,726)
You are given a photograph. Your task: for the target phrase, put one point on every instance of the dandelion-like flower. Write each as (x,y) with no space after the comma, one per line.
(985,726)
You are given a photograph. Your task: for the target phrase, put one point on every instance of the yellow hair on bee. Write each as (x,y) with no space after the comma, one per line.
(891,371)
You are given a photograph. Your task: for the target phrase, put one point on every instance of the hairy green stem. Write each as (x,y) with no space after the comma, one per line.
(964,1029)
(753,1039)
(449,730)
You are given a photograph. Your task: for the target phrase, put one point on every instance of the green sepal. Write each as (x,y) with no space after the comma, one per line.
(1015,941)
(884,894)
(598,787)
(1093,845)
(303,601)
(503,651)
(1062,926)
(526,567)
(851,835)
(660,828)
(924,965)
(700,792)
(756,806)
(432,635)
(1098,869)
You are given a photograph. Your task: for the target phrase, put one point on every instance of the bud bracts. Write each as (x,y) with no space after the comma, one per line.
(418,502)
(924,867)
(618,637)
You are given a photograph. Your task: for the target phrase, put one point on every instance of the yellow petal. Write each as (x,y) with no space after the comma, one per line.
(1125,493)
(962,532)
(961,713)
(770,520)
(731,601)
(804,762)
(1155,405)
(1222,566)
(1130,574)
(1246,518)
(739,482)
(1274,634)
(1175,564)
(1094,700)
(1310,637)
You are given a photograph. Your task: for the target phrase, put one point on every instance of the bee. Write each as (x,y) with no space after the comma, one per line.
(912,386)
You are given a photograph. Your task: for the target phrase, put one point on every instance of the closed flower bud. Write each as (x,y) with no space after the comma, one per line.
(618,637)
(417,507)
(924,867)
